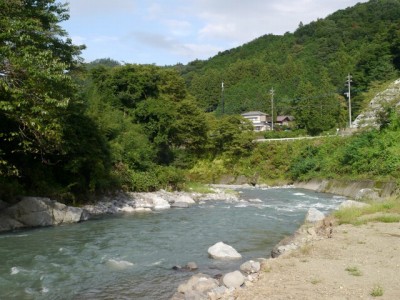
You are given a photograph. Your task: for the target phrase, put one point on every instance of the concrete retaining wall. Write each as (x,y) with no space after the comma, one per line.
(349,188)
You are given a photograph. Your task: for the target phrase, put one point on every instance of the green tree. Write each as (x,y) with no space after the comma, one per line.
(35,89)
(231,135)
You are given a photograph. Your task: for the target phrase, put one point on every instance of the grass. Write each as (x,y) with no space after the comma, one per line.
(196,187)
(387,211)
(377,291)
(354,271)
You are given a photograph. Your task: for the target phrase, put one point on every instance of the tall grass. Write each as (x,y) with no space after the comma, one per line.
(387,211)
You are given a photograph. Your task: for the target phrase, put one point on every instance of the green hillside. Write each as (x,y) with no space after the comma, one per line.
(71,130)
(307,68)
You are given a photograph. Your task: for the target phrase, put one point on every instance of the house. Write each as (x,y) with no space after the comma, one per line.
(284,120)
(259,120)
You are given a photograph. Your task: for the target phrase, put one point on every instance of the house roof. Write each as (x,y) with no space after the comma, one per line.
(284,118)
(254,113)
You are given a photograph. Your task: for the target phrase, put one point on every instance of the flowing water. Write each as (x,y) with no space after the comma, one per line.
(131,256)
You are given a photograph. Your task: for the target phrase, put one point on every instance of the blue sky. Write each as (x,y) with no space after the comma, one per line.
(166,32)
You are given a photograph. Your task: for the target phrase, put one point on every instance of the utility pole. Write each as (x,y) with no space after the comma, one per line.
(222,96)
(272,92)
(348,94)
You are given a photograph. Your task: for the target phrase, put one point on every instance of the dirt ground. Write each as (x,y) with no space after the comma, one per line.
(354,263)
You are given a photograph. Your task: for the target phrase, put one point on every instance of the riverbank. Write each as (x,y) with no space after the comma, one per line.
(355,189)
(357,262)
(315,261)
(32,212)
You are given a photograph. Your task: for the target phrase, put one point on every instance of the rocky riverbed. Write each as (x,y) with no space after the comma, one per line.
(225,286)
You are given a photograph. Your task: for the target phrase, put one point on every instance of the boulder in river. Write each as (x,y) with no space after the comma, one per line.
(36,211)
(184,199)
(223,251)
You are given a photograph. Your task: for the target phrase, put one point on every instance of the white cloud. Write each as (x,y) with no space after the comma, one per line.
(178,27)
(168,31)
(196,51)
(219,30)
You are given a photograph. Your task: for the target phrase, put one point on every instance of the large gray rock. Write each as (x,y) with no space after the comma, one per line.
(314,215)
(36,211)
(223,251)
(233,279)
(184,199)
(151,200)
(32,212)
(7,223)
(74,215)
(250,266)
(160,203)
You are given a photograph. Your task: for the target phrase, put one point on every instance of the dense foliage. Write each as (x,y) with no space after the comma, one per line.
(307,68)
(370,154)
(42,144)
(69,130)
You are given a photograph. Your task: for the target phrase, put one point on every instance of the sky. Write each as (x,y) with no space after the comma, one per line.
(167,32)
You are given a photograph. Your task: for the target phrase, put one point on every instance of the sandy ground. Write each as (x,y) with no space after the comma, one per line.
(350,265)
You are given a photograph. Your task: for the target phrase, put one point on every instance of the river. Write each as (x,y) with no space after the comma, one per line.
(131,256)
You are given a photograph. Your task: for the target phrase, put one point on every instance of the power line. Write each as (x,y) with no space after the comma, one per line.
(222,96)
(348,94)
(272,108)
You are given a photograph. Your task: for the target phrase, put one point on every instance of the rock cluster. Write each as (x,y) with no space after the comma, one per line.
(201,286)
(388,97)
(147,202)
(316,226)
(36,211)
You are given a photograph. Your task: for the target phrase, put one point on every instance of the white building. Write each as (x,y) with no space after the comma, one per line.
(259,120)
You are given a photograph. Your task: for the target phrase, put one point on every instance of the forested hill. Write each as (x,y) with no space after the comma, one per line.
(307,68)
(70,130)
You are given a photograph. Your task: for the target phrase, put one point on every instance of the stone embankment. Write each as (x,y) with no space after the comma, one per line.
(387,98)
(357,189)
(38,212)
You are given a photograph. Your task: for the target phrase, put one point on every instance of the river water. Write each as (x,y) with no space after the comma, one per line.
(131,256)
